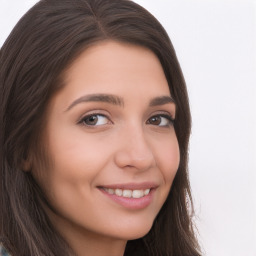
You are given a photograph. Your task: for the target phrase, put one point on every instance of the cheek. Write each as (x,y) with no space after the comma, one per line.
(77,152)
(78,161)
(168,159)
(75,166)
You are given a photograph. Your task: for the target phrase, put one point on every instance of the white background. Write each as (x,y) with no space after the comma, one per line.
(216,44)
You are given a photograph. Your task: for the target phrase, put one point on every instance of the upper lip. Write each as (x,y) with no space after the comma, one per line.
(131,186)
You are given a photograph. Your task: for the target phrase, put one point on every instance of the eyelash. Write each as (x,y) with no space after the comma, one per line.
(83,119)
(169,118)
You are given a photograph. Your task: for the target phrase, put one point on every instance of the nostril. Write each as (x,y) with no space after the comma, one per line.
(133,149)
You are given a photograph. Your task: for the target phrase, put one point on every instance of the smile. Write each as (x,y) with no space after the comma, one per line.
(133,196)
(127,192)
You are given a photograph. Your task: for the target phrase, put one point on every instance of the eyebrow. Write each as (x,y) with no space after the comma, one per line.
(115,100)
(107,98)
(162,100)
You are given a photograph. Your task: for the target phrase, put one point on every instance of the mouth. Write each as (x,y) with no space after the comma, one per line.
(128,193)
(130,196)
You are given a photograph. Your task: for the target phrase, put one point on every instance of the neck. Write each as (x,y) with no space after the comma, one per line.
(97,246)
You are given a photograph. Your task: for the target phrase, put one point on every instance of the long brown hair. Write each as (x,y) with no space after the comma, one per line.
(41,46)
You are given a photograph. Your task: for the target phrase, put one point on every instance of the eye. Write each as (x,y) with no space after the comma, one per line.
(94,120)
(161,120)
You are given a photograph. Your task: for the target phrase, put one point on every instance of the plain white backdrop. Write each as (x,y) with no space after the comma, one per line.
(216,45)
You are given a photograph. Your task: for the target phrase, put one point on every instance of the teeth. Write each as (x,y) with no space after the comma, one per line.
(111,191)
(127,192)
(119,192)
(137,193)
(146,192)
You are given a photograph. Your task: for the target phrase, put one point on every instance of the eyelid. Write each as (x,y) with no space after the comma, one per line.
(162,114)
(93,113)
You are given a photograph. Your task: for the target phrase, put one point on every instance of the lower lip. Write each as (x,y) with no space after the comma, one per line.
(131,203)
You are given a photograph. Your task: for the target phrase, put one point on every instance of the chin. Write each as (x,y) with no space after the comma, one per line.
(133,232)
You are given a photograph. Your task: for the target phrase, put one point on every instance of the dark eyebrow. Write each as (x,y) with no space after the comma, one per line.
(107,98)
(161,101)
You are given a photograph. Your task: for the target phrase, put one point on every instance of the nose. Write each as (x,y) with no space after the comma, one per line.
(134,151)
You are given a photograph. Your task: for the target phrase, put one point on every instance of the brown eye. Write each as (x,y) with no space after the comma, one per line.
(91,120)
(94,120)
(161,120)
(155,120)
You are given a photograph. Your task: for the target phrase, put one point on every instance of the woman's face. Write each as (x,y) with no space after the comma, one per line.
(111,142)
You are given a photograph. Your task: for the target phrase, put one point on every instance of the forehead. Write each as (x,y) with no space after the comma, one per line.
(110,63)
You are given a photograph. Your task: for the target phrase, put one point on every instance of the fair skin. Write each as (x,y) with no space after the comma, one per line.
(113,148)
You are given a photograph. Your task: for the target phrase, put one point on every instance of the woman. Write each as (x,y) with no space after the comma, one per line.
(95,126)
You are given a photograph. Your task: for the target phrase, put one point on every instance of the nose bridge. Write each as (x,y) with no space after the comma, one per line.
(134,150)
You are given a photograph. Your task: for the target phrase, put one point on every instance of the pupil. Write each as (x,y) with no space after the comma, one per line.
(155,120)
(92,120)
